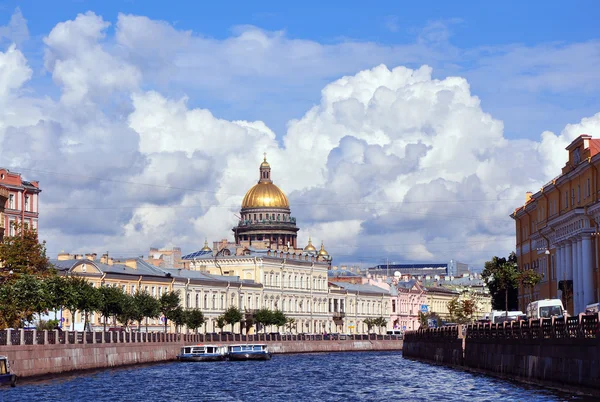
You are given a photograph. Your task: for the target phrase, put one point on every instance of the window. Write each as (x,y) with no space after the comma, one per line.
(566,199)
(197,299)
(205,301)
(578,194)
(27,202)
(11,201)
(572,196)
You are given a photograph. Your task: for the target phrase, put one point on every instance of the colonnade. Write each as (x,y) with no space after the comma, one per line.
(575,262)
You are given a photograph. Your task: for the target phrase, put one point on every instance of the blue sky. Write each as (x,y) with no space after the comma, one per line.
(406,130)
(470,25)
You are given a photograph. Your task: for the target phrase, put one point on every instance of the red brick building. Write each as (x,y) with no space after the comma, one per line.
(22,201)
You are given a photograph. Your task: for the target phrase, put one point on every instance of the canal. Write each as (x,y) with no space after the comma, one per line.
(355,376)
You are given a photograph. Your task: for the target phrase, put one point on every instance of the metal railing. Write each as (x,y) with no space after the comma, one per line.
(34,337)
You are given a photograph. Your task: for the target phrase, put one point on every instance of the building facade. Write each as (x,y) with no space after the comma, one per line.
(22,203)
(557,231)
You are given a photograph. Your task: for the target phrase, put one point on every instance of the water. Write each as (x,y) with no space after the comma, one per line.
(365,376)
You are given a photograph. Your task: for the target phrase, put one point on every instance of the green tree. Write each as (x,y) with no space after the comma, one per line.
(112,302)
(529,279)
(370,323)
(290,324)
(147,307)
(31,296)
(129,312)
(23,254)
(264,317)
(221,322)
(232,316)
(58,289)
(89,299)
(178,316)
(194,319)
(455,310)
(278,319)
(500,275)
(169,301)
(380,322)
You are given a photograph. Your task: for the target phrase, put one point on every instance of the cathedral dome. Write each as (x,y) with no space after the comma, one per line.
(309,247)
(265,194)
(323,252)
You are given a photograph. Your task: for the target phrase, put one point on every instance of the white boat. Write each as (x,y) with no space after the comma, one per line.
(202,353)
(248,351)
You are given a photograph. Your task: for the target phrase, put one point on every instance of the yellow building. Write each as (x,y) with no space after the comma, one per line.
(557,231)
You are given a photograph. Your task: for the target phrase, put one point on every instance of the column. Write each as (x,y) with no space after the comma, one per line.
(576,273)
(559,265)
(571,270)
(587,274)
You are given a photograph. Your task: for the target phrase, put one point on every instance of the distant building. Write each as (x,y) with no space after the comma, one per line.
(21,204)
(165,257)
(440,269)
(457,269)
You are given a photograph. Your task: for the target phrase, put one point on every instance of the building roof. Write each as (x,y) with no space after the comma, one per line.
(353,287)
(340,273)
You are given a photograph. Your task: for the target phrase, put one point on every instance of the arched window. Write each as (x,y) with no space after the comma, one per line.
(214,302)
(232,300)
(222,302)
(187,300)
(205,301)
(197,299)
(295,281)
(271,280)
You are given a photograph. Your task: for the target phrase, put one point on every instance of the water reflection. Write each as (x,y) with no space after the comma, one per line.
(373,376)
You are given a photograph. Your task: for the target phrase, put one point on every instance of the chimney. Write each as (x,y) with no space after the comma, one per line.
(131,263)
(528,196)
(64,256)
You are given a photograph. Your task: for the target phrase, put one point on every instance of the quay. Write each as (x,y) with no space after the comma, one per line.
(557,353)
(34,353)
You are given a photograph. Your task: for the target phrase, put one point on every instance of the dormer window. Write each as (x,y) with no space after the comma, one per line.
(576,156)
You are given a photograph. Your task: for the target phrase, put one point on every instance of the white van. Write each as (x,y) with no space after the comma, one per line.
(501,316)
(395,332)
(545,309)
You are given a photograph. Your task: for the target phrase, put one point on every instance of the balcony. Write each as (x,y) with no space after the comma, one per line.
(338,315)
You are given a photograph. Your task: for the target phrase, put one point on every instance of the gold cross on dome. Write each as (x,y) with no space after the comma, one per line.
(265,155)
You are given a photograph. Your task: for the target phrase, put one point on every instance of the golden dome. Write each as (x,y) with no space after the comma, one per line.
(265,195)
(322,251)
(310,248)
(206,248)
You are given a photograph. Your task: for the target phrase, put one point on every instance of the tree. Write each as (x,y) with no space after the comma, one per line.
(278,319)
(58,290)
(462,311)
(290,324)
(264,317)
(129,311)
(194,319)
(370,323)
(23,254)
(232,316)
(177,315)
(529,279)
(500,275)
(380,322)
(112,302)
(147,307)
(89,299)
(221,322)
(169,301)
(31,296)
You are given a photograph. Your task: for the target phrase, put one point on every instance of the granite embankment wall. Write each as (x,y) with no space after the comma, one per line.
(32,353)
(557,353)
(443,345)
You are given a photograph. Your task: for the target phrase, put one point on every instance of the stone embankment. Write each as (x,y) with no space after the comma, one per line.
(556,353)
(38,353)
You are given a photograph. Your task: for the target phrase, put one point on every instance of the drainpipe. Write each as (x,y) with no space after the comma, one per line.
(139,284)
(23,209)
(594,199)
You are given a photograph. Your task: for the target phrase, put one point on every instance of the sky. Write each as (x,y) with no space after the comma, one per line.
(400,132)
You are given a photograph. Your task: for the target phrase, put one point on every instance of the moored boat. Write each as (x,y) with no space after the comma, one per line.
(202,353)
(6,377)
(250,351)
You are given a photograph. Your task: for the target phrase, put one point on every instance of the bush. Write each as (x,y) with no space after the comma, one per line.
(46,325)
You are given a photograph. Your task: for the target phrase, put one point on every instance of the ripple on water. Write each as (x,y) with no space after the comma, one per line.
(373,376)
